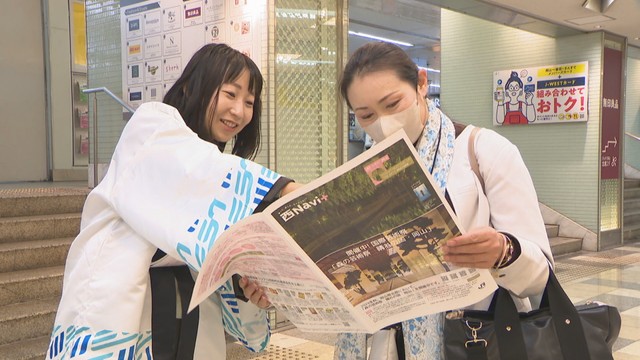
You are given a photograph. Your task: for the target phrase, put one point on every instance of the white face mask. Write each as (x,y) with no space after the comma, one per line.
(407,119)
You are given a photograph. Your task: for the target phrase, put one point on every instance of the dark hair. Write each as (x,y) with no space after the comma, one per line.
(209,68)
(377,56)
(513,77)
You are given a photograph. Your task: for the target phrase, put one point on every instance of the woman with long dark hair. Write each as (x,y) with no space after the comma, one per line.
(170,191)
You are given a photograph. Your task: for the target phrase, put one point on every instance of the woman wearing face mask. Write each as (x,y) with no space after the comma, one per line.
(505,230)
(147,227)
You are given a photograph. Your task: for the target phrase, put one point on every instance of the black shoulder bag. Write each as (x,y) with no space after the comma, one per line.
(558,330)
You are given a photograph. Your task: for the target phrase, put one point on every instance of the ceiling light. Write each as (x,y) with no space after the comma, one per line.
(374,37)
(429,69)
(597,5)
(287,57)
(590,20)
(330,22)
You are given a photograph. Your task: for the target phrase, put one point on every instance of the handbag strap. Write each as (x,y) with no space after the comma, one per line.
(473,160)
(173,339)
(508,329)
(565,319)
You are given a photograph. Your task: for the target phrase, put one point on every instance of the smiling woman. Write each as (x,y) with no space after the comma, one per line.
(168,194)
(232,110)
(231,84)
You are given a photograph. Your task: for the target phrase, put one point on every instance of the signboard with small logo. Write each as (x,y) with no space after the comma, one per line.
(541,95)
(159,37)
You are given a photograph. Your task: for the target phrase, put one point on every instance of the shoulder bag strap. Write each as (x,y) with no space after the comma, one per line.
(567,321)
(473,160)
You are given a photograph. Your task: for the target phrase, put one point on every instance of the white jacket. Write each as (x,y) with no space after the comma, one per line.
(526,276)
(165,189)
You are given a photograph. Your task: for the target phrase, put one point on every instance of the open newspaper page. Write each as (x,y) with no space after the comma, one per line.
(355,250)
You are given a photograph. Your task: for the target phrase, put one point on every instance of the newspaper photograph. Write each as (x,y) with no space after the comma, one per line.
(358,249)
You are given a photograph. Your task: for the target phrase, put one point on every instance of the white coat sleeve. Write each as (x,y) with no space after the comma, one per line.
(514,210)
(180,193)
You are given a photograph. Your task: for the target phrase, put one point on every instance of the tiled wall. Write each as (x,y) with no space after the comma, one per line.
(563,159)
(104,69)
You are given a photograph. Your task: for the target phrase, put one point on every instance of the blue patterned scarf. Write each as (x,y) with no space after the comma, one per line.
(423,336)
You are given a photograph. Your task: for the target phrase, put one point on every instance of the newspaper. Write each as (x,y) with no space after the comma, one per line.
(353,251)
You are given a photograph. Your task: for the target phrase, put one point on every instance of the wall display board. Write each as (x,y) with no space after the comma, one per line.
(611,125)
(541,95)
(159,37)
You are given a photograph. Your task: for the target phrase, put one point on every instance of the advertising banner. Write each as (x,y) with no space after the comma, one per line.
(541,95)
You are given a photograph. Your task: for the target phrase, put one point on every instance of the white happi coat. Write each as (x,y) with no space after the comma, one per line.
(165,189)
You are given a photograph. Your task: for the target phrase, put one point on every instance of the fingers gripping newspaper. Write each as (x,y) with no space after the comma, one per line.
(355,250)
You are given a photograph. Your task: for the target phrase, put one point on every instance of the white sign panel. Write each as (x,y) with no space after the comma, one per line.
(159,37)
(541,95)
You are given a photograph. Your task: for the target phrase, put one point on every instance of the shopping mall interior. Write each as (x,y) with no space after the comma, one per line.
(75,71)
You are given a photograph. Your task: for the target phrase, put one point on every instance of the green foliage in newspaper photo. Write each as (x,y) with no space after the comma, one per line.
(375,228)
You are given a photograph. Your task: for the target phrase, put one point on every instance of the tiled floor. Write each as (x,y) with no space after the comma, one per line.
(611,276)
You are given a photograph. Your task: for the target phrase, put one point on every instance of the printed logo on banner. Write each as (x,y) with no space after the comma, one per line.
(153,92)
(153,23)
(240,30)
(135,51)
(135,96)
(193,13)
(171,18)
(135,73)
(213,10)
(153,47)
(153,71)
(215,33)
(171,68)
(172,43)
(134,27)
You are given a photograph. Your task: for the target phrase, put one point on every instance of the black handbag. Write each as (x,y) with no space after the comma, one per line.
(557,330)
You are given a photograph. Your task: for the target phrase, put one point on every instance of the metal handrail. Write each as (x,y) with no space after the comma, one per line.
(112,95)
(95,91)
(632,135)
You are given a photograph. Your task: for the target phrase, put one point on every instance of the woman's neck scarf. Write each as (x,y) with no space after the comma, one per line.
(423,336)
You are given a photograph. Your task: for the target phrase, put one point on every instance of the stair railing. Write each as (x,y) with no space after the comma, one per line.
(95,92)
(632,148)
